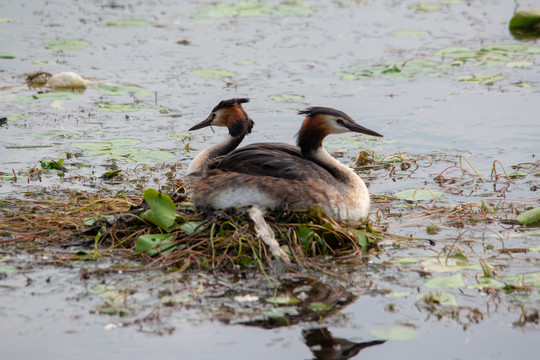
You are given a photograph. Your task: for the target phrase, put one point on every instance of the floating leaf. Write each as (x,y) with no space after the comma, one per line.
(17,117)
(248,8)
(118,89)
(398,294)
(142,154)
(155,244)
(530,279)
(5,20)
(405,261)
(247,62)
(283,299)
(135,22)
(529,217)
(319,306)
(410,32)
(456,52)
(418,194)
(287,97)
(213,73)
(6,269)
(183,135)
(58,95)
(425,7)
(123,142)
(190,227)
(101,288)
(439,297)
(102,145)
(281,311)
(487,283)
(162,211)
(395,333)
(519,64)
(8,56)
(446,282)
(125,107)
(66,45)
(482,78)
(51,133)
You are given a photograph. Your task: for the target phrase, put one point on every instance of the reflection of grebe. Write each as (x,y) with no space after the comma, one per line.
(326,347)
(228,113)
(266,175)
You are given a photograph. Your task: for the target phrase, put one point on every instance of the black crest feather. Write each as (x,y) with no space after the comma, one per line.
(314,110)
(227,103)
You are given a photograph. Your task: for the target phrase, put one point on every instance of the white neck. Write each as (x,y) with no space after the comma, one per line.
(353,202)
(224,147)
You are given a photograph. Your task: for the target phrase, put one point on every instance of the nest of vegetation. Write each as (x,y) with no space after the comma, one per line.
(168,232)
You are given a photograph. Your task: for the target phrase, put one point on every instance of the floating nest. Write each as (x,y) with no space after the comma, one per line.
(89,226)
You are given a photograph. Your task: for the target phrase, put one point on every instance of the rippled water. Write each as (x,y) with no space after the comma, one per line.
(270,55)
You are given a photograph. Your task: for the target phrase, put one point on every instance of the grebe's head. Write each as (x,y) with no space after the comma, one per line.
(323,121)
(230,114)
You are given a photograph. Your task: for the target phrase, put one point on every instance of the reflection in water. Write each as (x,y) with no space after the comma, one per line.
(326,347)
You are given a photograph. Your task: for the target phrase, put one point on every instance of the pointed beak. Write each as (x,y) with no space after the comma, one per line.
(203,124)
(360,129)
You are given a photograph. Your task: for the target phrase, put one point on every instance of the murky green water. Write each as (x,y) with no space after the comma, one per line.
(270,53)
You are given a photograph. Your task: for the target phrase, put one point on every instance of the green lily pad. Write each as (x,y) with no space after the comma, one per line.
(422,7)
(320,307)
(5,20)
(403,333)
(439,297)
(283,300)
(247,62)
(281,312)
(485,282)
(530,279)
(135,22)
(8,56)
(413,33)
(66,45)
(51,133)
(519,64)
(59,95)
(100,145)
(142,154)
(125,107)
(418,194)
(482,78)
(162,211)
(456,52)
(214,73)
(123,142)
(405,261)
(101,288)
(183,135)
(446,282)
(155,244)
(287,97)
(118,89)
(190,227)
(529,217)
(249,8)
(6,269)
(17,117)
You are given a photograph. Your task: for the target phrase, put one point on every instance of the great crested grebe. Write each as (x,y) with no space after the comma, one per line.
(228,113)
(267,175)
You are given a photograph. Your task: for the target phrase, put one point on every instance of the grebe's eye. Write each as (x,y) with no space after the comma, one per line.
(339,121)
